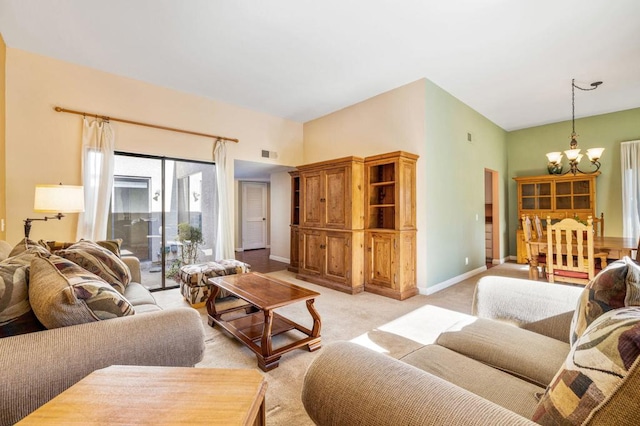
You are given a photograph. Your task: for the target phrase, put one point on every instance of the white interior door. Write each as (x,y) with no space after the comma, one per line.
(254,215)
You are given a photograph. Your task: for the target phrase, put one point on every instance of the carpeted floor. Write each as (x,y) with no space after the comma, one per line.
(344,317)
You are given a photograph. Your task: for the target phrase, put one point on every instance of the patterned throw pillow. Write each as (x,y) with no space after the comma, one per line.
(100,261)
(63,294)
(16,315)
(598,365)
(617,286)
(112,245)
(25,245)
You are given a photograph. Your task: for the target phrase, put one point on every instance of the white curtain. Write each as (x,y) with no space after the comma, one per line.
(224,233)
(97,178)
(630,156)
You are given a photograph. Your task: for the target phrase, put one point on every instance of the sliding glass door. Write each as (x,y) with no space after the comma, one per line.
(164,210)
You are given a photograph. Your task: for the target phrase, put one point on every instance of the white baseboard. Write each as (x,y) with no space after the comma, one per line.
(448,283)
(501,261)
(279,259)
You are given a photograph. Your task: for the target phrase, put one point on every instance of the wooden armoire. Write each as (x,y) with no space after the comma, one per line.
(353,224)
(331,224)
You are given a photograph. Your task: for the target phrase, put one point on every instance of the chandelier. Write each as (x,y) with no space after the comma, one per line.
(573,153)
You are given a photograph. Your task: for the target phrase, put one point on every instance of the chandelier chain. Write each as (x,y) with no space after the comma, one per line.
(573,107)
(574,86)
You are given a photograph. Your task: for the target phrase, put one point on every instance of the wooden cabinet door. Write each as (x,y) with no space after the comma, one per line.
(337,265)
(335,199)
(312,207)
(312,251)
(407,261)
(381,259)
(406,204)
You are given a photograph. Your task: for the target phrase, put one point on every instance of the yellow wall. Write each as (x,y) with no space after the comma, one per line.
(43,146)
(3,204)
(391,121)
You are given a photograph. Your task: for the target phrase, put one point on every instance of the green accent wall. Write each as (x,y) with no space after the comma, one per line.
(455,188)
(526,151)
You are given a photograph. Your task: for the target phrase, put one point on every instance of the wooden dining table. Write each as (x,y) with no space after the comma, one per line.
(615,247)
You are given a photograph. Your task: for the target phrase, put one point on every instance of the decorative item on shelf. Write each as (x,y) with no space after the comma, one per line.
(573,154)
(56,199)
(555,169)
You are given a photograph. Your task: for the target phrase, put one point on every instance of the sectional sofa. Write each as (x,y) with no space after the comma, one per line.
(532,353)
(80,327)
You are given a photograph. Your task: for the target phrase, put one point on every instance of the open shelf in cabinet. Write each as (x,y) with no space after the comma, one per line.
(382,196)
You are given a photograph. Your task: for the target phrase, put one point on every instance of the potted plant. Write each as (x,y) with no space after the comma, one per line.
(190,238)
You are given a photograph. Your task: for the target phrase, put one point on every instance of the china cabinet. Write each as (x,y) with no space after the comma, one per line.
(558,196)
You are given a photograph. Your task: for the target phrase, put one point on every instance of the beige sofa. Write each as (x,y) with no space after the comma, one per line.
(38,366)
(491,368)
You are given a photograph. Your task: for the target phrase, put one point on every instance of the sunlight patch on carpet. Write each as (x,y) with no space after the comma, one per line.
(419,327)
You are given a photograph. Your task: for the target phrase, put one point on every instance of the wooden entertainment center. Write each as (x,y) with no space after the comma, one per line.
(353,224)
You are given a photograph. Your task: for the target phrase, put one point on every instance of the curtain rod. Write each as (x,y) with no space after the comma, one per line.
(155,126)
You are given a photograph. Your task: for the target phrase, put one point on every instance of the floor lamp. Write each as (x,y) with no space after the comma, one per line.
(57,199)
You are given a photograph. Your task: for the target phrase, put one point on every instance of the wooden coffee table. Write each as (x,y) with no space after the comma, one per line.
(259,323)
(128,394)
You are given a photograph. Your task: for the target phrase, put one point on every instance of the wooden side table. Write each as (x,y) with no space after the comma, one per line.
(123,394)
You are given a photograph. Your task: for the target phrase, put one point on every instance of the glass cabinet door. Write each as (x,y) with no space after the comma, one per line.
(573,195)
(581,195)
(536,196)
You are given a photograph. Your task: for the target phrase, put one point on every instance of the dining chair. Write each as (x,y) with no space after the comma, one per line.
(598,225)
(538,224)
(570,252)
(534,259)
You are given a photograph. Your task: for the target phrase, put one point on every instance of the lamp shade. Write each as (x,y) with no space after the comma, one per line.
(554,157)
(572,154)
(59,199)
(594,154)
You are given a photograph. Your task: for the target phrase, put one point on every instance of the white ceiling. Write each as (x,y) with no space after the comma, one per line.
(510,60)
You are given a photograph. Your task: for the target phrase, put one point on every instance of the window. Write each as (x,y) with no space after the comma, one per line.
(153,197)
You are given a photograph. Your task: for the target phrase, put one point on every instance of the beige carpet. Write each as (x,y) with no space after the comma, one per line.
(344,317)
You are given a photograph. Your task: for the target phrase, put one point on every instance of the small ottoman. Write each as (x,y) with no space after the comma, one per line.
(193,279)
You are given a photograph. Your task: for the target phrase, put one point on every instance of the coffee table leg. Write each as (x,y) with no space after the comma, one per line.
(266,360)
(211,304)
(317,325)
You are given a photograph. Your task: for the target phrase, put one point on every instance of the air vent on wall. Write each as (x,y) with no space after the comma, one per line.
(269,154)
